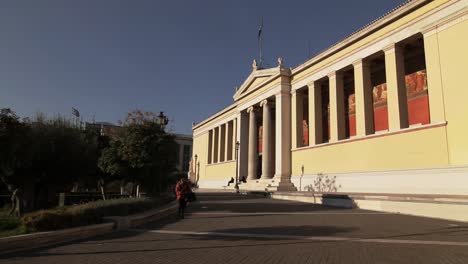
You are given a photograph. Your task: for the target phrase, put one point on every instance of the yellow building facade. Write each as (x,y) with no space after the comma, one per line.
(382,112)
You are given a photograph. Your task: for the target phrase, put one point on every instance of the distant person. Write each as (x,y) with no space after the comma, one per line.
(243,179)
(182,190)
(230,181)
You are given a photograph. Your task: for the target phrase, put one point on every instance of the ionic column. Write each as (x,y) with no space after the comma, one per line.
(315,114)
(222,143)
(266,141)
(253,144)
(215,145)
(210,146)
(364,104)
(234,137)
(396,88)
(283,135)
(337,111)
(242,135)
(297,115)
(228,141)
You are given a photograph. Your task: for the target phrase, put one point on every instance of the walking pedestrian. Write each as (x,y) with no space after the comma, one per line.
(182,190)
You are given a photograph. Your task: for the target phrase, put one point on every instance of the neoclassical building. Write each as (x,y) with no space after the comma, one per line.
(383,111)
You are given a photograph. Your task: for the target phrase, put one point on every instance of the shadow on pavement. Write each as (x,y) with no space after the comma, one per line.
(210,202)
(280,232)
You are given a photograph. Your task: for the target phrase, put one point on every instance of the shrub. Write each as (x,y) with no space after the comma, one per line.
(89,213)
(8,222)
(10,225)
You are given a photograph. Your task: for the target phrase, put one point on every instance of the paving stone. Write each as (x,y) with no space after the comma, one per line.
(261,230)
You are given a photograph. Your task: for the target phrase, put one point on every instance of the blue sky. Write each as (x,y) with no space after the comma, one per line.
(108,57)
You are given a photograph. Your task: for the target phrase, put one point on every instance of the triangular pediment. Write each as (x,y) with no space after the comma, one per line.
(256,80)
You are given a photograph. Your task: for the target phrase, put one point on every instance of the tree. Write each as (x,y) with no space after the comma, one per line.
(41,157)
(113,166)
(143,152)
(14,156)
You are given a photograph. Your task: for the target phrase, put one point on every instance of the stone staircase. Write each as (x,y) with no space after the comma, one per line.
(268,185)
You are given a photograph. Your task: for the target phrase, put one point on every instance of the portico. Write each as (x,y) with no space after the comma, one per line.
(264,99)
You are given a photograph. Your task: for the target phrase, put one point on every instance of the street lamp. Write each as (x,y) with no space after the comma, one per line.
(237,167)
(162,119)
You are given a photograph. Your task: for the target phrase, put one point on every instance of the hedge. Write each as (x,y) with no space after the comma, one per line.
(89,213)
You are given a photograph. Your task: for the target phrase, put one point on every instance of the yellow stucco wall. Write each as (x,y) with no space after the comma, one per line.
(453,43)
(224,170)
(425,148)
(200,148)
(211,171)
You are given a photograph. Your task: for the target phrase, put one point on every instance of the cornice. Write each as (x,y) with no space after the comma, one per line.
(363,32)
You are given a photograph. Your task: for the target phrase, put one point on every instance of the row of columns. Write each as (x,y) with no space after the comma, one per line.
(276,140)
(396,100)
(267,142)
(222,143)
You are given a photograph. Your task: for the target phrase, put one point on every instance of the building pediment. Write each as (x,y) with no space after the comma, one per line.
(259,78)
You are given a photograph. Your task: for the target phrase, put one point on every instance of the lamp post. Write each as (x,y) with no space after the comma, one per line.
(237,167)
(163,120)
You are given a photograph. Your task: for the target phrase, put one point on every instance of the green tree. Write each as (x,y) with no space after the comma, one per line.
(113,166)
(142,152)
(14,156)
(42,157)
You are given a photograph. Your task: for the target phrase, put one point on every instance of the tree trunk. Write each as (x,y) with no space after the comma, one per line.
(16,203)
(103,192)
(101,187)
(122,187)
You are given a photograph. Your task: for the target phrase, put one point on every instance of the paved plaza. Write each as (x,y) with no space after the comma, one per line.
(229,228)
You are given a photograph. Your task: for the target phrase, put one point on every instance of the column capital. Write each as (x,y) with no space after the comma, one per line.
(282,93)
(251,109)
(293,92)
(265,103)
(335,74)
(429,31)
(392,48)
(360,63)
(311,84)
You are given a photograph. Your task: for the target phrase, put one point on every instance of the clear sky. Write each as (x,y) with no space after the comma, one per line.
(107,57)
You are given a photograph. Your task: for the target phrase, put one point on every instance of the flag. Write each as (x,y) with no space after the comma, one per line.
(260,30)
(75,112)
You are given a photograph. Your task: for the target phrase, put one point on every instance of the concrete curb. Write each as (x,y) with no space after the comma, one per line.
(125,222)
(41,239)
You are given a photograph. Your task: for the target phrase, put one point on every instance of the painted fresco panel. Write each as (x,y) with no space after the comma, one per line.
(418,101)
(305,133)
(379,94)
(350,112)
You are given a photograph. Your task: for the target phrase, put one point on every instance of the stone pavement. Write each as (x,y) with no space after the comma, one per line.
(229,228)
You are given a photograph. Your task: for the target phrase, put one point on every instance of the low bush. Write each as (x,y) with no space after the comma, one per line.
(10,225)
(8,222)
(89,213)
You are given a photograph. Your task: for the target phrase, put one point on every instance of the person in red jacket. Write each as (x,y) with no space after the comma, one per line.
(182,190)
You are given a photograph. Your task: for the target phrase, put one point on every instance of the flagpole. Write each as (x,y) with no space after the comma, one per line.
(260,63)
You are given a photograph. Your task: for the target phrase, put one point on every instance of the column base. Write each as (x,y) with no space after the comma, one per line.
(263,177)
